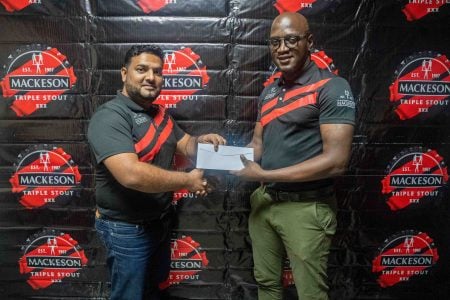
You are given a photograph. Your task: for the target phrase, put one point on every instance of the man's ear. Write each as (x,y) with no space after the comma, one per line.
(123,73)
(310,41)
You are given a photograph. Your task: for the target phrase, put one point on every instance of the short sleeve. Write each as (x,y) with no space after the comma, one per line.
(177,131)
(336,103)
(261,98)
(109,133)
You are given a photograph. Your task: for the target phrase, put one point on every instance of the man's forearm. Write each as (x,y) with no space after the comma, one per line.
(151,179)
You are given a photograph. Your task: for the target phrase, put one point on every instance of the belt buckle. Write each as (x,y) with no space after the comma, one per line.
(278,196)
(273,194)
(283,196)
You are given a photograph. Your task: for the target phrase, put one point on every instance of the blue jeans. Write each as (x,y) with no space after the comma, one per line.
(138,257)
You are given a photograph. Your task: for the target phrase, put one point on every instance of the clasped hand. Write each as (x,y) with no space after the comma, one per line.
(201,186)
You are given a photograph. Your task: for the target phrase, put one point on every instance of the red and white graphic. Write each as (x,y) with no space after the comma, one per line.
(149,6)
(403,256)
(16,5)
(50,257)
(35,77)
(288,277)
(185,77)
(188,260)
(45,176)
(322,60)
(414,176)
(422,83)
(417,9)
(306,7)
(181,163)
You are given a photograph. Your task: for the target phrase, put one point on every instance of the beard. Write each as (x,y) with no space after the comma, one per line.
(135,94)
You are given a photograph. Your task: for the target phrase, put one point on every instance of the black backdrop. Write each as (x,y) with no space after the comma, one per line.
(59,60)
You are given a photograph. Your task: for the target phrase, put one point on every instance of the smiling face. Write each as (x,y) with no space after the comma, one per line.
(290,60)
(142,79)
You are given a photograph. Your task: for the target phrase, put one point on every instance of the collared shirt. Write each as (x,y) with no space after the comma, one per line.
(291,115)
(122,126)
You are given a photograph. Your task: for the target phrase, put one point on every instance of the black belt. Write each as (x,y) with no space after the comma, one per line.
(299,196)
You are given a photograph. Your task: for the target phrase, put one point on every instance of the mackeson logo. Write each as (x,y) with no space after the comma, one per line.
(404,256)
(417,9)
(181,163)
(287,277)
(319,57)
(413,177)
(422,84)
(44,176)
(307,7)
(34,78)
(187,260)
(149,6)
(50,257)
(16,5)
(185,77)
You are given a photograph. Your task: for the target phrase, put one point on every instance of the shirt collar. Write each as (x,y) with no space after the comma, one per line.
(308,70)
(133,105)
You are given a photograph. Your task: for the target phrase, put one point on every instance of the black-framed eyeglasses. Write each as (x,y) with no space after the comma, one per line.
(290,41)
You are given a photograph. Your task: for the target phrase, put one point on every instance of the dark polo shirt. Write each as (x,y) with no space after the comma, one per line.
(291,116)
(122,126)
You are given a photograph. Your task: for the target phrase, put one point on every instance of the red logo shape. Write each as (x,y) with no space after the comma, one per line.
(413,176)
(181,163)
(149,6)
(45,176)
(288,277)
(322,60)
(416,10)
(293,6)
(50,257)
(187,261)
(304,6)
(404,256)
(36,77)
(421,82)
(13,5)
(185,77)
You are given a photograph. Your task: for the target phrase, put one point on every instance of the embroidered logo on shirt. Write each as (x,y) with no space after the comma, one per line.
(140,119)
(272,93)
(346,100)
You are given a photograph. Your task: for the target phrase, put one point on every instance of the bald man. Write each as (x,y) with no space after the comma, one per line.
(302,137)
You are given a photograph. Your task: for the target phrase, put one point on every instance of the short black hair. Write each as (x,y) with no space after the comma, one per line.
(138,49)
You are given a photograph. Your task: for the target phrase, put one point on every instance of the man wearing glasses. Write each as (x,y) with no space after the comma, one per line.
(302,137)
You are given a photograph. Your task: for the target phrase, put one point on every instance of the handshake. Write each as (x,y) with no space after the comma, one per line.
(213,154)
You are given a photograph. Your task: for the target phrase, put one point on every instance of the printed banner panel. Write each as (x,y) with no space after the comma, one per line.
(179,8)
(36,29)
(28,8)
(156,30)
(37,131)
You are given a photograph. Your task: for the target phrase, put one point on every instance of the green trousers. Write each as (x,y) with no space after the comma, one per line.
(303,230)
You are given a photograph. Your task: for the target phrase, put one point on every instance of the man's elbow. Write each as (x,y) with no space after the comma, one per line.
(129,181)
(340,168)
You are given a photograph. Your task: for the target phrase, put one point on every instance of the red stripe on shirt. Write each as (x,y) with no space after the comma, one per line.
(162,138)
(269,105)
(309,99)
(150,134)
(306,89)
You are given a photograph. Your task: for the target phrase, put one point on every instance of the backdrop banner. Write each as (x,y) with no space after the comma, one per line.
(60,60)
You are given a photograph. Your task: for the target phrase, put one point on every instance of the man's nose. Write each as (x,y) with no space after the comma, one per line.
(283,46)
(149,75)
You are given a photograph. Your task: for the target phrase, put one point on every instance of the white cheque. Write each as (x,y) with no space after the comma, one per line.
(226,158)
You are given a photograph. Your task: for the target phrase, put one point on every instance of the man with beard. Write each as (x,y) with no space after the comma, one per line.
(303,137)
(134,141)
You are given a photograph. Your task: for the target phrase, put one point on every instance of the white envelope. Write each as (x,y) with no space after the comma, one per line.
(226,157)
